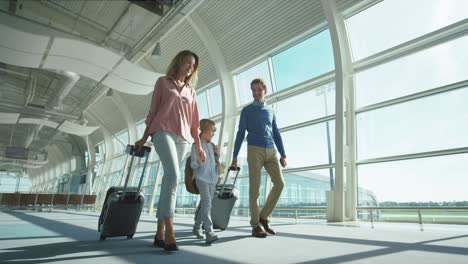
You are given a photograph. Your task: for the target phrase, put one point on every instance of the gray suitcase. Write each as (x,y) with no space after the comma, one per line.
(223,201)
(122,206)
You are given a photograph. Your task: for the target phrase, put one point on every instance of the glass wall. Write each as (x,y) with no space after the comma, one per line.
(303,61)
(390,23)
(307,142)
(407,116)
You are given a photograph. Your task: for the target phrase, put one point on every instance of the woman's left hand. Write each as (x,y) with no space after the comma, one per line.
(201,156)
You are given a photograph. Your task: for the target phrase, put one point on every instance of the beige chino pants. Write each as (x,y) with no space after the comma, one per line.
(258,157)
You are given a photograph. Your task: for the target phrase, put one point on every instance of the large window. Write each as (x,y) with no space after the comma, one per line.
(210,102)
(216,100)
(309,145)
(427,124)
(393,22)
(306,188)
(120,141)
(100,151)
(202,103)
(431,68)
(307,106)
(244,79)
(409,182)
(304,61)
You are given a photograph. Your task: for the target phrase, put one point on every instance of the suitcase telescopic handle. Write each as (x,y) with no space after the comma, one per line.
(237,169)
(132,151)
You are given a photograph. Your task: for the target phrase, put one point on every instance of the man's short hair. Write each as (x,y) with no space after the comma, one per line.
(258,81)
(207,124)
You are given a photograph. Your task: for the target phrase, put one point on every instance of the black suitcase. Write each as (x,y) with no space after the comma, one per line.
(223,201)
(122,206)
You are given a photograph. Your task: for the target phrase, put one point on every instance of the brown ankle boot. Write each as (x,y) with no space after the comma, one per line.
(258,232)
(267,227)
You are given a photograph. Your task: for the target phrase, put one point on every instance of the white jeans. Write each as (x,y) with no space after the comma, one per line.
(203,214)
(172,150)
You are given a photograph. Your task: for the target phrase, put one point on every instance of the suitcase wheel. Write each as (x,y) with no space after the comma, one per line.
(102,238)
(130,236)
(222,229)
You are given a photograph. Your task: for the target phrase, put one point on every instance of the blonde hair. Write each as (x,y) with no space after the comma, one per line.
(207,124)
(178,60)
(258,81)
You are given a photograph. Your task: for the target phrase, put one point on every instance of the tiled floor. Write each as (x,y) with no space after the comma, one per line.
(71,237)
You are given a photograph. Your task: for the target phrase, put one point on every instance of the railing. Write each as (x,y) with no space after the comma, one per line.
(315,212)
(376,212)
(46,200)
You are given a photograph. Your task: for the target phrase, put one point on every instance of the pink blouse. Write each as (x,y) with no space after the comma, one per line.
(173,111)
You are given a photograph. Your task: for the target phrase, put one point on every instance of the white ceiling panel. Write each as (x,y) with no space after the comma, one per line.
(9,118)
(21,48)
(80,57)
(76,129)
(132,79)
(38,121)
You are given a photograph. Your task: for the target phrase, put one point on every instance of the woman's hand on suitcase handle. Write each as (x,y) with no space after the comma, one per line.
(140,144)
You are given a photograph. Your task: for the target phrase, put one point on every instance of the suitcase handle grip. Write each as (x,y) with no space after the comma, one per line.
(237,169)
(143,152)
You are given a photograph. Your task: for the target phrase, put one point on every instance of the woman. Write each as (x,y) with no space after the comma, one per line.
(172,119)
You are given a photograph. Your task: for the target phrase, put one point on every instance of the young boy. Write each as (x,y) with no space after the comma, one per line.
(206,178)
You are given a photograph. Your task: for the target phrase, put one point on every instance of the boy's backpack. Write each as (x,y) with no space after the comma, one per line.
(190,178)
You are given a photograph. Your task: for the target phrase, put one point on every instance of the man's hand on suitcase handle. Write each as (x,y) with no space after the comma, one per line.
(234,165)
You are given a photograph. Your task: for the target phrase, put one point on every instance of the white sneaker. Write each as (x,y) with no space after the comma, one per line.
(198,232)
(211,237)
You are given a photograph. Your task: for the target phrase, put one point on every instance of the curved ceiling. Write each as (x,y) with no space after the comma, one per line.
(109,43)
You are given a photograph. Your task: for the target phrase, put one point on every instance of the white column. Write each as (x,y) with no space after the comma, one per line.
(344,203)
(132,131)
(100,187)
(88,189)
(228,122)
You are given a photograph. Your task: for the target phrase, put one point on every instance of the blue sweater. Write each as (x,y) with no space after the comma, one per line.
(260,122)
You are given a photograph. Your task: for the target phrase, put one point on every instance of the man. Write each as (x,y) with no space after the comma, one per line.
(260,122)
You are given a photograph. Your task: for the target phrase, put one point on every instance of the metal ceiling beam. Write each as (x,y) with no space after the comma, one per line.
(154,6)
(39,112)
